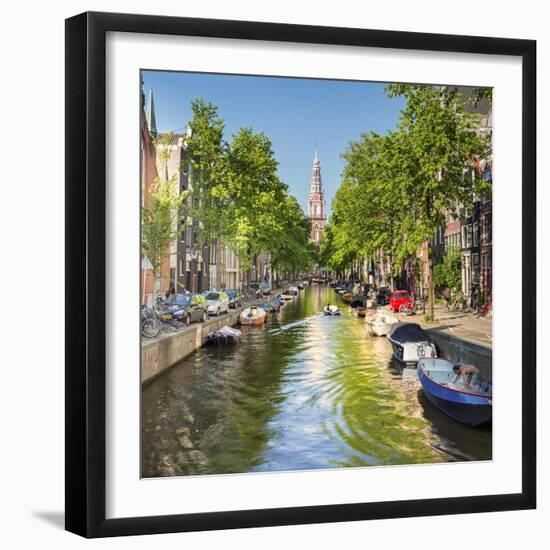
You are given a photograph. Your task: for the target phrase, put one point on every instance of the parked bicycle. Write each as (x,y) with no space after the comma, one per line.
(155,320)
(411,308)
(151,325)
(486,308)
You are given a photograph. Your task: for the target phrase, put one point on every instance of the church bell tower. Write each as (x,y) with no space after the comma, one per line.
(316,203)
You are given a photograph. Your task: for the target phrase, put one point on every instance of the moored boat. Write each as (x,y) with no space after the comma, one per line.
(410,342)
(224,335)
(380,323)
(272,306)
(357,302)
(469,405)
(347,297)
(252,315)
(362,311)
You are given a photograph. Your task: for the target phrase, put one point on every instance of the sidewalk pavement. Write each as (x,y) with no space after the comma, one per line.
(461,324)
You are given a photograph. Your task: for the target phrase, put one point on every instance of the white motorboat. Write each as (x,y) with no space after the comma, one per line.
(331,310)
(252,315)
(410,342)
(290,293)
(380,322)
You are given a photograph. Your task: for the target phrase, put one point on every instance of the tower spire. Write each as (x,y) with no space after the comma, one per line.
(150,116)
(316,202)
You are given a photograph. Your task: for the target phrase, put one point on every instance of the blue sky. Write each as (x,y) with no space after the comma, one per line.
(294,113)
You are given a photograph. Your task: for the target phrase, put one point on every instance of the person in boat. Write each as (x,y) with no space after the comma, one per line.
(469,374)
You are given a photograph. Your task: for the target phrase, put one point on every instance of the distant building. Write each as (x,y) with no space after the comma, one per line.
(476,227)
(188,258)
(316,203)
(148,173)
(194,265)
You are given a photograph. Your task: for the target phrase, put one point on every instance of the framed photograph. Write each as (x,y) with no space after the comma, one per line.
(299,274)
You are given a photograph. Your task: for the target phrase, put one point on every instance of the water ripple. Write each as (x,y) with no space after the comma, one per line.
(305,391)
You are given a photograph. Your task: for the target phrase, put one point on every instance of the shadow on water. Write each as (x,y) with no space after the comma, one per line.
(459,441)
(304,391)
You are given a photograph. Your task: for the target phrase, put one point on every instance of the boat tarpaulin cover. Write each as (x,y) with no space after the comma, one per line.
(408,332)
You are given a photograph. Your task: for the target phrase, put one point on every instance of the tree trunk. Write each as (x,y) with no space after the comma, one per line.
(144,293)
(430,283)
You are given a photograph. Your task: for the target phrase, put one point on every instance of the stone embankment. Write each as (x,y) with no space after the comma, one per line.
(464,338)
(159,354)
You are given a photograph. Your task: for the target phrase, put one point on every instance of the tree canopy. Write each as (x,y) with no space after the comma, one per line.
(397,188)
(238,196)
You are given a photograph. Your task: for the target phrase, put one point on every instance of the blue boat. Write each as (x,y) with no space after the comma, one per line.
(472,405)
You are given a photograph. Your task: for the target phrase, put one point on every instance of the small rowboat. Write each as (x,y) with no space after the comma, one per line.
(332,310)
(380,323)
(472,406)
(290,293)
(252,315)
(347,297)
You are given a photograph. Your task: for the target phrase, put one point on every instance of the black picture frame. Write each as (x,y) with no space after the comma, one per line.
(86,273)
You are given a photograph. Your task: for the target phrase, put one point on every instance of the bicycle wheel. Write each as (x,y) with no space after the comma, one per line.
(151,328)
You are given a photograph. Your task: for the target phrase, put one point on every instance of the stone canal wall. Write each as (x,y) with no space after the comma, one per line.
(459,350)
(162,353)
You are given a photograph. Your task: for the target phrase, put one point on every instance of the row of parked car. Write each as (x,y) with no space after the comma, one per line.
(189,308)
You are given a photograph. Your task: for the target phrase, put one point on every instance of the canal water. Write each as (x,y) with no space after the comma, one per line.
(304,391)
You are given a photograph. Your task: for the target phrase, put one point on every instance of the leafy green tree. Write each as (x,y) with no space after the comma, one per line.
(294,251)
(448,273)
(480,94)
(238,197)
(255,193)
(207,164)
(397,188)
(437,147)
(161,217)
(368,207)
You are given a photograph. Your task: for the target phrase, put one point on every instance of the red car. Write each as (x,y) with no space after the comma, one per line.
(400,300)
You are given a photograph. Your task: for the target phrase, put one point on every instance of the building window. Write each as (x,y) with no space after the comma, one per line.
(469,234)
(476,234)
(487,229)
